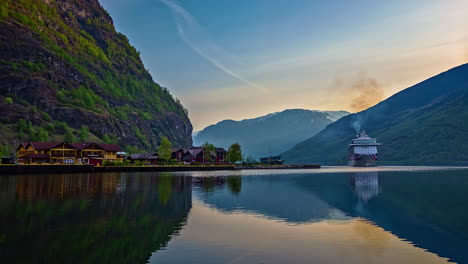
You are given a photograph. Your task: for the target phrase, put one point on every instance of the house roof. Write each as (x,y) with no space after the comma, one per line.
(143,156)
(110,147)
(220,150)
(44,145)
(178,149)
(195,151)
(82,145)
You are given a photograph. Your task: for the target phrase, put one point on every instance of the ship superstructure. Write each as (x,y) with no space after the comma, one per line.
(363,151)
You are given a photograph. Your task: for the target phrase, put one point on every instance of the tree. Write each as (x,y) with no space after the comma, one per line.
(42,135)
(235,153)
(106,138)
(31,131)
(21,125)
(207,149)
(84,133)
(165,150)
(69,137)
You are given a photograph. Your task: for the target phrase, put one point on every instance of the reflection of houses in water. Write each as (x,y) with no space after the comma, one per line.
(210,184)
(136,214)
(27,187)
(63,185)
(365,184)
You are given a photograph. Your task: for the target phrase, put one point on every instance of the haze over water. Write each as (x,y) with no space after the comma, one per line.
(331,215)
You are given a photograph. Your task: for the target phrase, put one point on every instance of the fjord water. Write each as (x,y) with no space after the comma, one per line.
(331,215)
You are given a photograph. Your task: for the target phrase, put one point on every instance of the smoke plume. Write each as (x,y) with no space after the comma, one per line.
(365,92)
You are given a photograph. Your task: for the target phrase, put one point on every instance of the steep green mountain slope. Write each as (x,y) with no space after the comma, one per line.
(63,66)
(270,134)
(426,124)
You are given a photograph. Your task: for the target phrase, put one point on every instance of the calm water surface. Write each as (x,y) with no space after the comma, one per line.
(331,215)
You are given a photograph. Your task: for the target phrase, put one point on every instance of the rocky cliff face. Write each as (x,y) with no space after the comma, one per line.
(63,66)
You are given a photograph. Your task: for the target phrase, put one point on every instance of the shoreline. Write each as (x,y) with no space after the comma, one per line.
(46,168)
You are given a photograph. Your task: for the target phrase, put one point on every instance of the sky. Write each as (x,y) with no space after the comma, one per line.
(227,59)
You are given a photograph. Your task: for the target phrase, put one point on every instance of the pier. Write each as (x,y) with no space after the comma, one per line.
(42,169)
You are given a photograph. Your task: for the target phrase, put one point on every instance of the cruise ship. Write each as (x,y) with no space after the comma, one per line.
(363,151)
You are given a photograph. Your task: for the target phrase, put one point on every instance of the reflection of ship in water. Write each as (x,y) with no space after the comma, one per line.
(365,184)
(95,218)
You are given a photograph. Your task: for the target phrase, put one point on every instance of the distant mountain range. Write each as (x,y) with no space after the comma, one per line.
(426,124)
(270,134)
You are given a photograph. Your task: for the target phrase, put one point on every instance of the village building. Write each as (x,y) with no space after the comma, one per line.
(67,153)
(272,160)
(194,155)
(178,154)
(151,158)
(198,154)
(221,155)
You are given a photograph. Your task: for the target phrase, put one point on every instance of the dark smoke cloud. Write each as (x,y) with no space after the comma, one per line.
(365,92)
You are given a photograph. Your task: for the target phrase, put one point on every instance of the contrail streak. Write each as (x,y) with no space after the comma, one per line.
(192,33)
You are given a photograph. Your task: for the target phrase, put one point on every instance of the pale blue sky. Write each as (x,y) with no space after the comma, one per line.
(229,59)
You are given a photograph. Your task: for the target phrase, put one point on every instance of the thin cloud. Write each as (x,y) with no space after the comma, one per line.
(193,34)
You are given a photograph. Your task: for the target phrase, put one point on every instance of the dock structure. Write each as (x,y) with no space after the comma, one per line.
(50,169)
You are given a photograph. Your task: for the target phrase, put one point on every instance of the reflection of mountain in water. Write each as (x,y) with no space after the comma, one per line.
(273,196)
(426,208)
(108,218)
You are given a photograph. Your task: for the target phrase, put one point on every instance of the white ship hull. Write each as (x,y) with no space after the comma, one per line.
(362,161)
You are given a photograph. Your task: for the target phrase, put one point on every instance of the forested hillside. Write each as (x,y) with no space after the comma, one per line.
(426,124)
(64,71)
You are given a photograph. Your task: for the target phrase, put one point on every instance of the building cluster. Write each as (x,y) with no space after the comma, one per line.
(272,160)
(68,153)
(187,156)
(98,154)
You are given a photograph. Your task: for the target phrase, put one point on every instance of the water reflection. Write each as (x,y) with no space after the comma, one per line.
(344,217)
(218,183)
(426,208)
(88,218)
(365,185)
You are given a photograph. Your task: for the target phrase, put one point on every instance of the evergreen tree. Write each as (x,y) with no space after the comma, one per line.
(106,138)
(165,150)
(31,131)
(42,135)
(69,137)
(21,125)
(84,133)
(235,153)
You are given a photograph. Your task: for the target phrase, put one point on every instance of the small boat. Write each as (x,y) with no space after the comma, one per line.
(363,151)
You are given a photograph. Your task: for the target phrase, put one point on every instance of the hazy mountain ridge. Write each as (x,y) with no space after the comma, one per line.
(421,125)
(270,134)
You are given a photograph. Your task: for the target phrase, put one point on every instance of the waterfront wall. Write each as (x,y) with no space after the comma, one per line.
(42,169)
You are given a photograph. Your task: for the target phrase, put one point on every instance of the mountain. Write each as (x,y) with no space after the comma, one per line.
(63,66)
(425,124)
(270,134)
